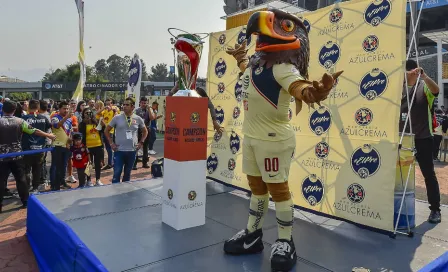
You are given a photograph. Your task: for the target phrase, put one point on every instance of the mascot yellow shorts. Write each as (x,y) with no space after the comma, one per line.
(270,160)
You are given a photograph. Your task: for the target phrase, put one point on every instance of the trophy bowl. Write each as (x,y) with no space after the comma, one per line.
(189,51)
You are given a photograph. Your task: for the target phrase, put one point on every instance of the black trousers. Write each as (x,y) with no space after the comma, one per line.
(18,171)
(145,158)
(152,138)
(82,177)
(425,158)
(437,141)
(59,160)
(97,156)
(33,169)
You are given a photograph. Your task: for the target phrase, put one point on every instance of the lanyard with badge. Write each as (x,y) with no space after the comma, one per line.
(128,132)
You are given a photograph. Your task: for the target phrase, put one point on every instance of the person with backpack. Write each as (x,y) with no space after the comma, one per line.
(426,90)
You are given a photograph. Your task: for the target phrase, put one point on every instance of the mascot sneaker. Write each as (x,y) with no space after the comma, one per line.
(244,243)
(283,255)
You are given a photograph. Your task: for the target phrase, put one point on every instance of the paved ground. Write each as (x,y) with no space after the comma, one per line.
(16,254)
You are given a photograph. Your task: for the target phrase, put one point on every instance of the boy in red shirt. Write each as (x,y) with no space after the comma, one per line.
(80,159)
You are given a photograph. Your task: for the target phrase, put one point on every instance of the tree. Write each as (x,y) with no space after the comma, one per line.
(71,73)
(159,72)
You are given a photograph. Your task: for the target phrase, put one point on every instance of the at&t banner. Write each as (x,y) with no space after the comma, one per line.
(344,164)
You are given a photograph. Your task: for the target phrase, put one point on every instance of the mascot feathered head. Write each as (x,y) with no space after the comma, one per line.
(282,38)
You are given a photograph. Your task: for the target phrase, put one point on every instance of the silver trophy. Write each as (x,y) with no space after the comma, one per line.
(189,50)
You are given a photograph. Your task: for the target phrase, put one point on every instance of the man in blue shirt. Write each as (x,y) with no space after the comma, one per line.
(33,162)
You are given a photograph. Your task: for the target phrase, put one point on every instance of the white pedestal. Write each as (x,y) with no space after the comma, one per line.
(184,193)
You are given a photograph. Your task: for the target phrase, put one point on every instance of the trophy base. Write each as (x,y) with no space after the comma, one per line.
(191,93)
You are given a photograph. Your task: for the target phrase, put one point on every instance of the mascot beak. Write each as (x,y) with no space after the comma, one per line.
(261,23)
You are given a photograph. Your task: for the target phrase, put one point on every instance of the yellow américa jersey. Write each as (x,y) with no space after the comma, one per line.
(266,101)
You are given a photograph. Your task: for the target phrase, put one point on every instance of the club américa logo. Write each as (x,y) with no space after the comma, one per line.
(231,164)
(222,39)
(242,37)
(220,68)
(321,150)
(365,161)
(307,25)
(217,136)
(219,114)
(370,43)
(313,190)
(236,112)
(194,118)
(170,194)
(192,195)
(377,12)
(320,120)
(221,87)
(173,117)
(238,90)
(212,163)
(329,54)
(363,116)
(335,15)
(356,193)
(373,84)
(235,142)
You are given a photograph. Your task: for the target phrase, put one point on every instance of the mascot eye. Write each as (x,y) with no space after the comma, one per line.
(288,25)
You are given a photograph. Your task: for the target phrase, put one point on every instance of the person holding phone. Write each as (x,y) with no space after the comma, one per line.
(426,90)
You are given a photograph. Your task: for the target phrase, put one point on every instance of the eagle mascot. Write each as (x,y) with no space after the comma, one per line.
(277,71)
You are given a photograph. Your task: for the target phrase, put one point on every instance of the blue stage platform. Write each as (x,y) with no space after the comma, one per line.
(119,228)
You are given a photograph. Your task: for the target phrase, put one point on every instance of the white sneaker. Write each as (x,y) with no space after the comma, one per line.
(152,152)
(99,183)
(89,184)
(71,179)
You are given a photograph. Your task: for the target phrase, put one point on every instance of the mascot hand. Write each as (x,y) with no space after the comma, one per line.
(313,92)
(318,91)
(239,52)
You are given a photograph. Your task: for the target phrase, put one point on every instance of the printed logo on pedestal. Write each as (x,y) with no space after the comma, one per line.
(320,120)
(313,190)
(377,12)
(192,195)
(194,118)
(170,194)
(173,117)
(365,161)
(329,54)
(220,68)
(234,142)
(373,84)
(212,163)
(355,193)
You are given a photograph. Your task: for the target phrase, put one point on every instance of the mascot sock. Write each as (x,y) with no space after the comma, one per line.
(258,208)
(285,215)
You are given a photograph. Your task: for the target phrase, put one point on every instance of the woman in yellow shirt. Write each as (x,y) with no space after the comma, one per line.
(91,138)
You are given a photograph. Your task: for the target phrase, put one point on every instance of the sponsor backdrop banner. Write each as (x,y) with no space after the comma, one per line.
(344,164)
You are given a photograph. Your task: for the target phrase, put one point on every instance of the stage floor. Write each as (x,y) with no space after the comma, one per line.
(122,225)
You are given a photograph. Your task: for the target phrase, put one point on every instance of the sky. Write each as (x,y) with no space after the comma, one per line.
(39,35)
